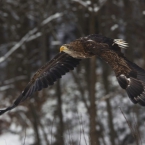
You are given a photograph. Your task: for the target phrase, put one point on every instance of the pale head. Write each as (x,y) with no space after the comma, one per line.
(63,48)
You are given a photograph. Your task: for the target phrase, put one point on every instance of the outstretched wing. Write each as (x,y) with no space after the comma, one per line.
(46,76)
(129,75)
(133,82)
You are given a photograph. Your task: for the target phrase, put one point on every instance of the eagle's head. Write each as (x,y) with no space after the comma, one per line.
(72,49)
(65,48)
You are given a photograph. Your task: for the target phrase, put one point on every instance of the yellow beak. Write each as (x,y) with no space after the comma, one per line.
(62,48)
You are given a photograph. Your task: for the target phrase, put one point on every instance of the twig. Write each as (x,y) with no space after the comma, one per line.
(83,130)
(80,128)
(126,119)
(51,130)
(136,132)
(133,130)
(70,139)
(24,137)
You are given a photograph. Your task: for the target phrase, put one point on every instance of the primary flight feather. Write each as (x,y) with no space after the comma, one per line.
(130,76)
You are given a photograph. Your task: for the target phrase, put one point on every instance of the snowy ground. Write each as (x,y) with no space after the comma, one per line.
(9,139)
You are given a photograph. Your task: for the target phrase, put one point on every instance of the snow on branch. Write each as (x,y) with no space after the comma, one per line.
(52,17)
(87,5)
(17,45)
(28,35)
(7,84)
(32,37)
(4,88)
(12,80)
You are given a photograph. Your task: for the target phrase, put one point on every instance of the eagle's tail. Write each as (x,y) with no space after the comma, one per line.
(134,86)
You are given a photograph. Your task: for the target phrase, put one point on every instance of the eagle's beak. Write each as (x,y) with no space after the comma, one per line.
(62,48)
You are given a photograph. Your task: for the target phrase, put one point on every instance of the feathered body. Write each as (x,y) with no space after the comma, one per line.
(130,76)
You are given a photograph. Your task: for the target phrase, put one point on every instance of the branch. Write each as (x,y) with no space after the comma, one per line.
(84,4)
(12,80)
(90,8)
(4,88)
(17,45)
(28,35)
(7,84)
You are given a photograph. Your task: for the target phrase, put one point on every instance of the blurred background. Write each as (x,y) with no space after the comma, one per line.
(85,107)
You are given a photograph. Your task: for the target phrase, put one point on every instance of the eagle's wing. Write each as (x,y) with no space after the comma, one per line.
(129,75)
(132,78)
(134,83)
(46,76)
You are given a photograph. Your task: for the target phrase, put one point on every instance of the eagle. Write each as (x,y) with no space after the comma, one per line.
(129,75)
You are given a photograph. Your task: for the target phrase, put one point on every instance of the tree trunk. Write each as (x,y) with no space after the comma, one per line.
(35,123)
(112,133)
(60,129)
(94,138)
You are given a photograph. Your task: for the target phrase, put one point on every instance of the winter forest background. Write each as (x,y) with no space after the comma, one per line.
(85,107)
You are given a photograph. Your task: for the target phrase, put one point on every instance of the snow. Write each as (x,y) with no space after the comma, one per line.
(87,4)
(55,42)
(114,27)
(14,139)
(72,105)
(96,9)
(10,139)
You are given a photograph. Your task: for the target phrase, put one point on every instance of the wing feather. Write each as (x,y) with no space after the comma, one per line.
(61,70)
(46,76)
(49,79)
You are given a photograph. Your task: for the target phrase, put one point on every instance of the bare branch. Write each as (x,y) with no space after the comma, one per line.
(133,128)
(28,35)
(12,80)
(3,88)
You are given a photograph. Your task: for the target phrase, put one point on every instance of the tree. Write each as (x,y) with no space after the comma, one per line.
(31,33)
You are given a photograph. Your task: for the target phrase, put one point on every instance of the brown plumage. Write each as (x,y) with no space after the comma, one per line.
(130,76)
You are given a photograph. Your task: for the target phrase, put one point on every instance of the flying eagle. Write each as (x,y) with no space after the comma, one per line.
(130,76)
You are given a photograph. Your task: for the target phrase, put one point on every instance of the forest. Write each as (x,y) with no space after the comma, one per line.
(86,106)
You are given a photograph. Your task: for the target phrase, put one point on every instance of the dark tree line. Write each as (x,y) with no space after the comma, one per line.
(82,107)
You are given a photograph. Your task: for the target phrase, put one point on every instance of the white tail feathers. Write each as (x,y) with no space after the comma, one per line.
(121,43)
